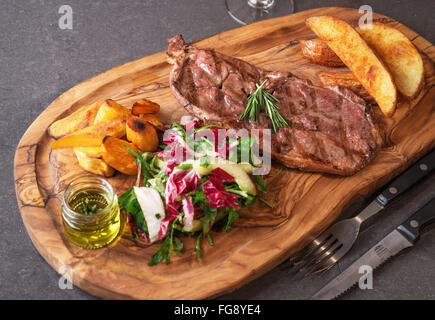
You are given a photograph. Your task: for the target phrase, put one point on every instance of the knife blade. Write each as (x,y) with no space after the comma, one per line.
(404,236)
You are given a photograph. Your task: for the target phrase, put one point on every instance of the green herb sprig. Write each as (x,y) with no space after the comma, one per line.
(261,98)
(86,208)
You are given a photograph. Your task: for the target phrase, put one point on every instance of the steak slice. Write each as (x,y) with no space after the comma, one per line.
(330,129)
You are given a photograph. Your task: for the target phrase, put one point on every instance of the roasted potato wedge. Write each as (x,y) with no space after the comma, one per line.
(152,118)
(93,152)
(142,134)
(93,164)
(111,110)
(144,106)
(78,140)
(356,54)
(116,155)
(82,118)
(400,55)
(344,79)
(318,51)
(113,127)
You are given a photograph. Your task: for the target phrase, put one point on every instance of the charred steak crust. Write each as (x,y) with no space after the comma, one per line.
(330,129)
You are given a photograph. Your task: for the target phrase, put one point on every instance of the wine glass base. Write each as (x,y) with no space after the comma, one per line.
(243,13)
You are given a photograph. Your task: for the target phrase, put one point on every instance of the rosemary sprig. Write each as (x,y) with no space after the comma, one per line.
(259,98)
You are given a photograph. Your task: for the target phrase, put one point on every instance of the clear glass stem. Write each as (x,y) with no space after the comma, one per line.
(261,4)
(249,11)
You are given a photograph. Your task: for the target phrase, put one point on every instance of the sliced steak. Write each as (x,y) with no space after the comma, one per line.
(330,129)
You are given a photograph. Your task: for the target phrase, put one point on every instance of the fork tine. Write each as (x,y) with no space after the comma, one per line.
(325,261)
(317,253)
(315,250)
(316,243)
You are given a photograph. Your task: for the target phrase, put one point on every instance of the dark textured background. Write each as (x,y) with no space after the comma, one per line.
(39,62)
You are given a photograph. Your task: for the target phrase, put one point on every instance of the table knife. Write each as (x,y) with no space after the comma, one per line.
(321,254)
(402,237)
(411,176)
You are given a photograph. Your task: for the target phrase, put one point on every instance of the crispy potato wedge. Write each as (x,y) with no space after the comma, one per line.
(144,106)
(318,51)
(92,164)
(344,79)
(111,110)
(355,53)
(142,134)
(93,152)
(78,140)
(152,118)
(116,155)
(400,55)
(113,127)
(77,120)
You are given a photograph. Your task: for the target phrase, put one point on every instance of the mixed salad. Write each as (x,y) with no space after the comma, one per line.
(189,187)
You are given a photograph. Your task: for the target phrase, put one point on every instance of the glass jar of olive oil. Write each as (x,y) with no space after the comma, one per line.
(90,212)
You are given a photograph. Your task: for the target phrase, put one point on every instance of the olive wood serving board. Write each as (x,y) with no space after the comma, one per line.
(304,203)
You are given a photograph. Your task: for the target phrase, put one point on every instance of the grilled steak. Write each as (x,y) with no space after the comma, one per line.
(330,129)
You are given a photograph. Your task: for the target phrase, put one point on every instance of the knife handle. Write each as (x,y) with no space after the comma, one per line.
(412,227)
(412,175)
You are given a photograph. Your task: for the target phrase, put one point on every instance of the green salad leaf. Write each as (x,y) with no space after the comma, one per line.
(129,203)
(171,244)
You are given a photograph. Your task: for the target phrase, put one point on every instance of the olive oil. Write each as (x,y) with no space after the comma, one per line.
(90,212)
(88,202)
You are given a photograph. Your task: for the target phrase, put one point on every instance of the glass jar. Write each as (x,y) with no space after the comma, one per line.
(98,222)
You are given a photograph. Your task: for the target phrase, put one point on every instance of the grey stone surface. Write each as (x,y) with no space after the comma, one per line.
(39,62)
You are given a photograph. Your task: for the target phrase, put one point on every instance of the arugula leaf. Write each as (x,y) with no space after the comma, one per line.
(178,127)
(178,245)
(238,191)
(232,216)
(198,197)
(148,165)
(207,221)
(208,216)
(204,161)
(198,247)
(266,203)
(161,253)
(210,240)
(202,145)
(245,198)
(209,126)
(244,146)
(166,248)
(260,183)
(184,166)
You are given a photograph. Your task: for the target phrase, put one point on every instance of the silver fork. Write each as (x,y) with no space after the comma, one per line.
(324,251)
